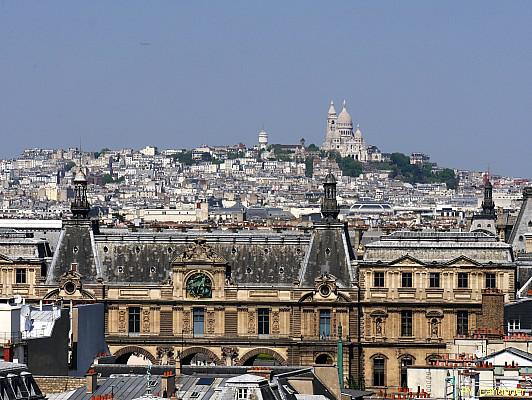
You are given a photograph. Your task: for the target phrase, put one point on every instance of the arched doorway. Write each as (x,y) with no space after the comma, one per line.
(134,355)
(199,356)
(262,357)
(196,359)
(324,359)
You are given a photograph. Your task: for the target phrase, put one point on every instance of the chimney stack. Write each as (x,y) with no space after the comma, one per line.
(168,384)
(492,317)
(92,380)
(8,352)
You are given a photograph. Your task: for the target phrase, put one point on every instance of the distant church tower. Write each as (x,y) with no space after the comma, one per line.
(263,139)
(486,220)
(80,206)
(329,205)
(331,128)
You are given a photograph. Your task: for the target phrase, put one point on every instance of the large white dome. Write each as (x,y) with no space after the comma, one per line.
(344,118)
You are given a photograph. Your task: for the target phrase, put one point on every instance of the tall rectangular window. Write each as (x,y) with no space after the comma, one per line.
(325,323)
(264,321)
(491,280)
(406,323)
(198,318)
(463,280)
(378,371)
(20,275)
(406,279)
(462,323)
(378,279)
(434,280)
(134,319)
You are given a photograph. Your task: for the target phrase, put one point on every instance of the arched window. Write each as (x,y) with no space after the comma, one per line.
(378,371)
(324,359)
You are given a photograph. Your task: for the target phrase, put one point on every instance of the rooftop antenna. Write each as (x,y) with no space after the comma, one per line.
(80,153)
(148,384)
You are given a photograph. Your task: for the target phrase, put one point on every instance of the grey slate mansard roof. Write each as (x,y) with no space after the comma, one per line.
(523,224)
(256,258)
(439,246)
(123,387)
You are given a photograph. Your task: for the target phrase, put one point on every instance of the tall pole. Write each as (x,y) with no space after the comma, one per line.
(340,357)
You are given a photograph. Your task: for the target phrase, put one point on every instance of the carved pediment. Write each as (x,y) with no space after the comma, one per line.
(325,278)
(199,252)
(434,314)
(70,283)
(5,259)
(406,260)
(70,276)
(325,287)
(463,261)
(61,294)
(378,313)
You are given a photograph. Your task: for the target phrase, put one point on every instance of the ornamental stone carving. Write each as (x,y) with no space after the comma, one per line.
(434,328)
(230,354)
(251,322)
(378,326)
(275,323)
(146,321)
(210,322)
(122,321)
(200,252)
(186,322)
(165,355)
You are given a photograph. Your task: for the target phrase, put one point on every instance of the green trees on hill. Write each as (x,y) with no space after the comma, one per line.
(421,173)
(69,165)
(349,166)
(109,179)
(309,167)
(399,165)
(184,157)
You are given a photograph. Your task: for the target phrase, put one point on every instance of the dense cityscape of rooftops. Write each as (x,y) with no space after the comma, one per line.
(269,271)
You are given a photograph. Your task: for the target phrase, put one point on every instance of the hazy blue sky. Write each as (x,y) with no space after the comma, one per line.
(449,78)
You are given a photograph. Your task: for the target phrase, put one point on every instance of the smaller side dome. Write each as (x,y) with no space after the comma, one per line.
(358,132)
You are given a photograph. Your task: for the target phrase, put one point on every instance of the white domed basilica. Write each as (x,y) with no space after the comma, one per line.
(341,138)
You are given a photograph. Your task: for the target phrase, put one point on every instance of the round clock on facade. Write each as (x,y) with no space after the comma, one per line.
(325,290)
(199,285)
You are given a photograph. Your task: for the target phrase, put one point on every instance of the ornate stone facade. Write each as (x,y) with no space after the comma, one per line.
(419,291)
(238,298)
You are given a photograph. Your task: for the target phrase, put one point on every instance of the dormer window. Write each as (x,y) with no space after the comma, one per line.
(242,394)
